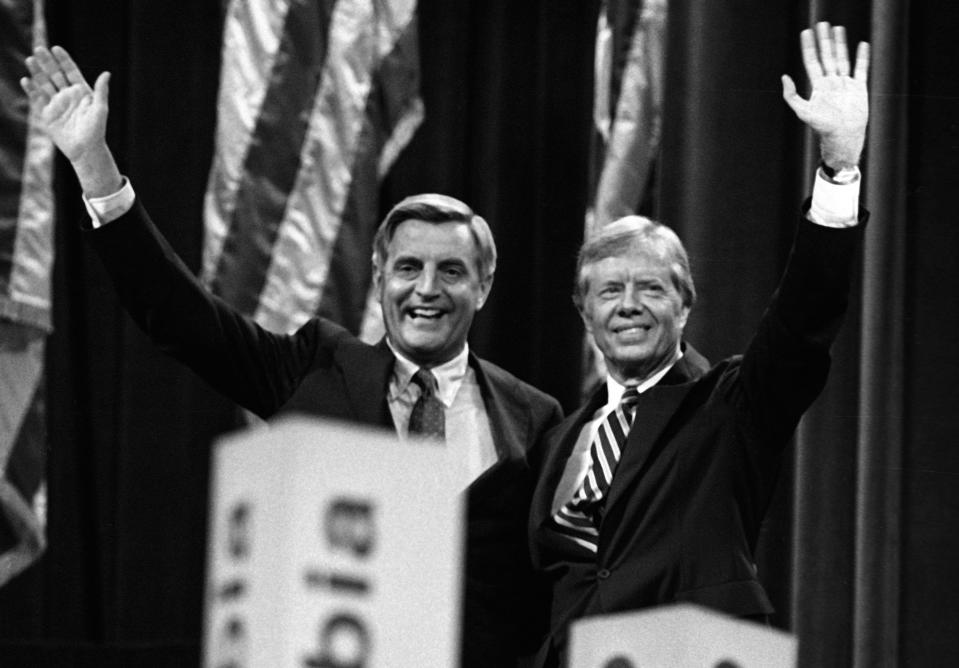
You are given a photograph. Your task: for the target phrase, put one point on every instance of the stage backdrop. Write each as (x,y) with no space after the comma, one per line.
(860,546)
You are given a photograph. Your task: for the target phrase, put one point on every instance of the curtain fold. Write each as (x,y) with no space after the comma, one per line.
(735,167)
(882,363)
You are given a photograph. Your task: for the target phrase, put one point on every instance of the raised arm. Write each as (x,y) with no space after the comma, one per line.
(74,116)
(838,106)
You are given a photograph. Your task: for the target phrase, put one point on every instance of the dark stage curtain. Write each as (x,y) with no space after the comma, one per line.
(856,545)
(859,548)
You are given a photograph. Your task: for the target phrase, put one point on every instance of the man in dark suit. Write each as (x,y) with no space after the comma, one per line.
(434,261)
(654,491)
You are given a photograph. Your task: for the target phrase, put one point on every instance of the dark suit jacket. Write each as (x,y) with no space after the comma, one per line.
(700,463)
(324,370)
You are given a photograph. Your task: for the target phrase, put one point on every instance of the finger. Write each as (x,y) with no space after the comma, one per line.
(826,49)
(810,59)
(39,78)
(35,54)
(861,73)
(68,66)
(842,50)
(51,68)
(37,96)
(101,88)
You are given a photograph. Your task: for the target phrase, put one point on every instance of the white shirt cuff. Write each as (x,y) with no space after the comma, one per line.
(835,204)
(103,210)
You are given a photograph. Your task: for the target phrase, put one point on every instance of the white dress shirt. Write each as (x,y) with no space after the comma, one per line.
(579,460)
(469,440)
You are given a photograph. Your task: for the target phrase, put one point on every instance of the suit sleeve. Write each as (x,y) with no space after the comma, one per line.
(256,368)
(785,366)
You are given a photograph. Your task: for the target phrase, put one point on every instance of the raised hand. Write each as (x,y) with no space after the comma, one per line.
(73,115)
(838,106)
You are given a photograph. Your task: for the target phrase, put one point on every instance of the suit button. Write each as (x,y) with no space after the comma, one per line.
(603,573)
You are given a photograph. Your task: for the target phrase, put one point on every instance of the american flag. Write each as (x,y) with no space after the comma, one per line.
(627,121)
(316,100)
(26,259)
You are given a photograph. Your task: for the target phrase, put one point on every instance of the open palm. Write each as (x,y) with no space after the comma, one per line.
(73,114)
(838,106)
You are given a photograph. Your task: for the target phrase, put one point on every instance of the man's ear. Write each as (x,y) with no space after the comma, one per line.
(485,286)
(683,316)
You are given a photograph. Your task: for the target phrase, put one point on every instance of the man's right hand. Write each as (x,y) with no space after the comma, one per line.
(74,116)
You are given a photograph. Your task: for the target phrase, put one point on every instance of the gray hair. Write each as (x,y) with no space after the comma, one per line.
(636,233)
(435,208)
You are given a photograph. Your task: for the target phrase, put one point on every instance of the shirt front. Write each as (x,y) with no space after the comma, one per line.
(469,439)
(579,459)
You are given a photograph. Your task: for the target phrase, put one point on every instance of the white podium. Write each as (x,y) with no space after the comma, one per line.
(678,636)
(331,546)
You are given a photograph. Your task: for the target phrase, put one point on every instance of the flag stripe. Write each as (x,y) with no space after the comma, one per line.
(622,17)
(273,160)
(26,192)
(251,40)
(26,258)
(361,38)
(393,112)
(635,133)
(15,26)
(33,252)
(22,448)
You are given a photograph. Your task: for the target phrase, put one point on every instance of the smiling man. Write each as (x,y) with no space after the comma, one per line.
(634,293)
(433,262)
(654,491)
(433,265)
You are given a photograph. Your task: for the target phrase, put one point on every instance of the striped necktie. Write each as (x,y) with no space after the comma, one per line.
(427,418)
(579,518)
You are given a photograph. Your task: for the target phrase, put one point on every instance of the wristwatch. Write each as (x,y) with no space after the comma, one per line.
(841,176)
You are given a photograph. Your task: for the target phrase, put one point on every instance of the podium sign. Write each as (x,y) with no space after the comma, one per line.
(331,546)
(679,636)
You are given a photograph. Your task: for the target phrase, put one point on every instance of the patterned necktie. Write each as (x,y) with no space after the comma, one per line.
(427,418)
(579,518)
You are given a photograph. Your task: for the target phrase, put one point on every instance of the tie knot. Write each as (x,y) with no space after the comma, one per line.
(628,403)
(426,381)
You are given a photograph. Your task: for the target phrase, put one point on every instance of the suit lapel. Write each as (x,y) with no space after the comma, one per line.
(556,457)
(654,411)
(508,418)
(366,370)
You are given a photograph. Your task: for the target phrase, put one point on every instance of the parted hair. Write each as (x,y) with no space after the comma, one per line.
(635,233)
(435,208)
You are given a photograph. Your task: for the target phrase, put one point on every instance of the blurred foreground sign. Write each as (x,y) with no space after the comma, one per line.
(332,546)
(679,636)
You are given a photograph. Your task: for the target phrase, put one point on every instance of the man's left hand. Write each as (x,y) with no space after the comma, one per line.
(838,106)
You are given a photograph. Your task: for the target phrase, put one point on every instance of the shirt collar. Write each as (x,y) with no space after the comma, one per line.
(449,375)
(615,389)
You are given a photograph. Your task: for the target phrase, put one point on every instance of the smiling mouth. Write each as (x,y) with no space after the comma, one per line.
(425,313)
(632,330)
